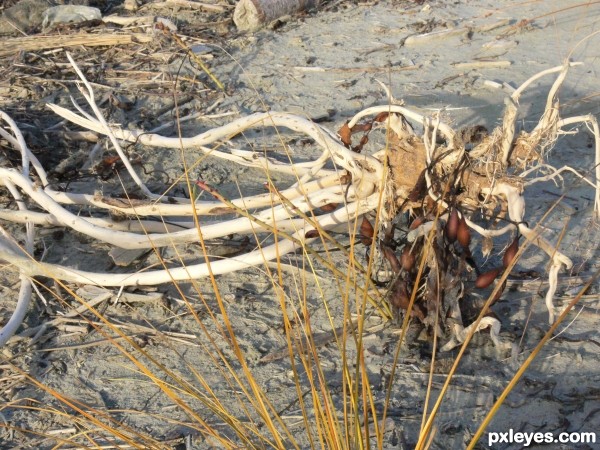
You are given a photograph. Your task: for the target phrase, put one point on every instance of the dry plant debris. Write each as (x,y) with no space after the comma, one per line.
(443,178)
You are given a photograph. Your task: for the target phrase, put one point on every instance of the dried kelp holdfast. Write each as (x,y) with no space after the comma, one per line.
(496,172)
(493,172)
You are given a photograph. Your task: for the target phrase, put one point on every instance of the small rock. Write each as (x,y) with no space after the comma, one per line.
(69,14)
(131,5)
(24,17)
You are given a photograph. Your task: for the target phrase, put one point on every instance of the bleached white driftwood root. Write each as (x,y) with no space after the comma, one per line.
(460,332)
(338,175)
(25,290)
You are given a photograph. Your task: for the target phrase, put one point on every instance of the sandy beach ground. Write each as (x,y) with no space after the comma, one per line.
(324,65)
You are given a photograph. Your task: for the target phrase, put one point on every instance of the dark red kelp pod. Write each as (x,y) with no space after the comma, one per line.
(486,278)
(511,252)
(366,232)
(452,226)
(463,234)
(310,234)
(389,254)
(417,222)
(329,207)
(407,259)
(399,297)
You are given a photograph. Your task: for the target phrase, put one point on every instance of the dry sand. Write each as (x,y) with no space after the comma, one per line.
(325,65)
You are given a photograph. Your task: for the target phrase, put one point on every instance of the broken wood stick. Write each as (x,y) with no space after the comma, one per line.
(35,43)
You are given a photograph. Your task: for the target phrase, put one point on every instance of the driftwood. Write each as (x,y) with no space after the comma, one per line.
(15,45)
(441,177)
(251,15)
